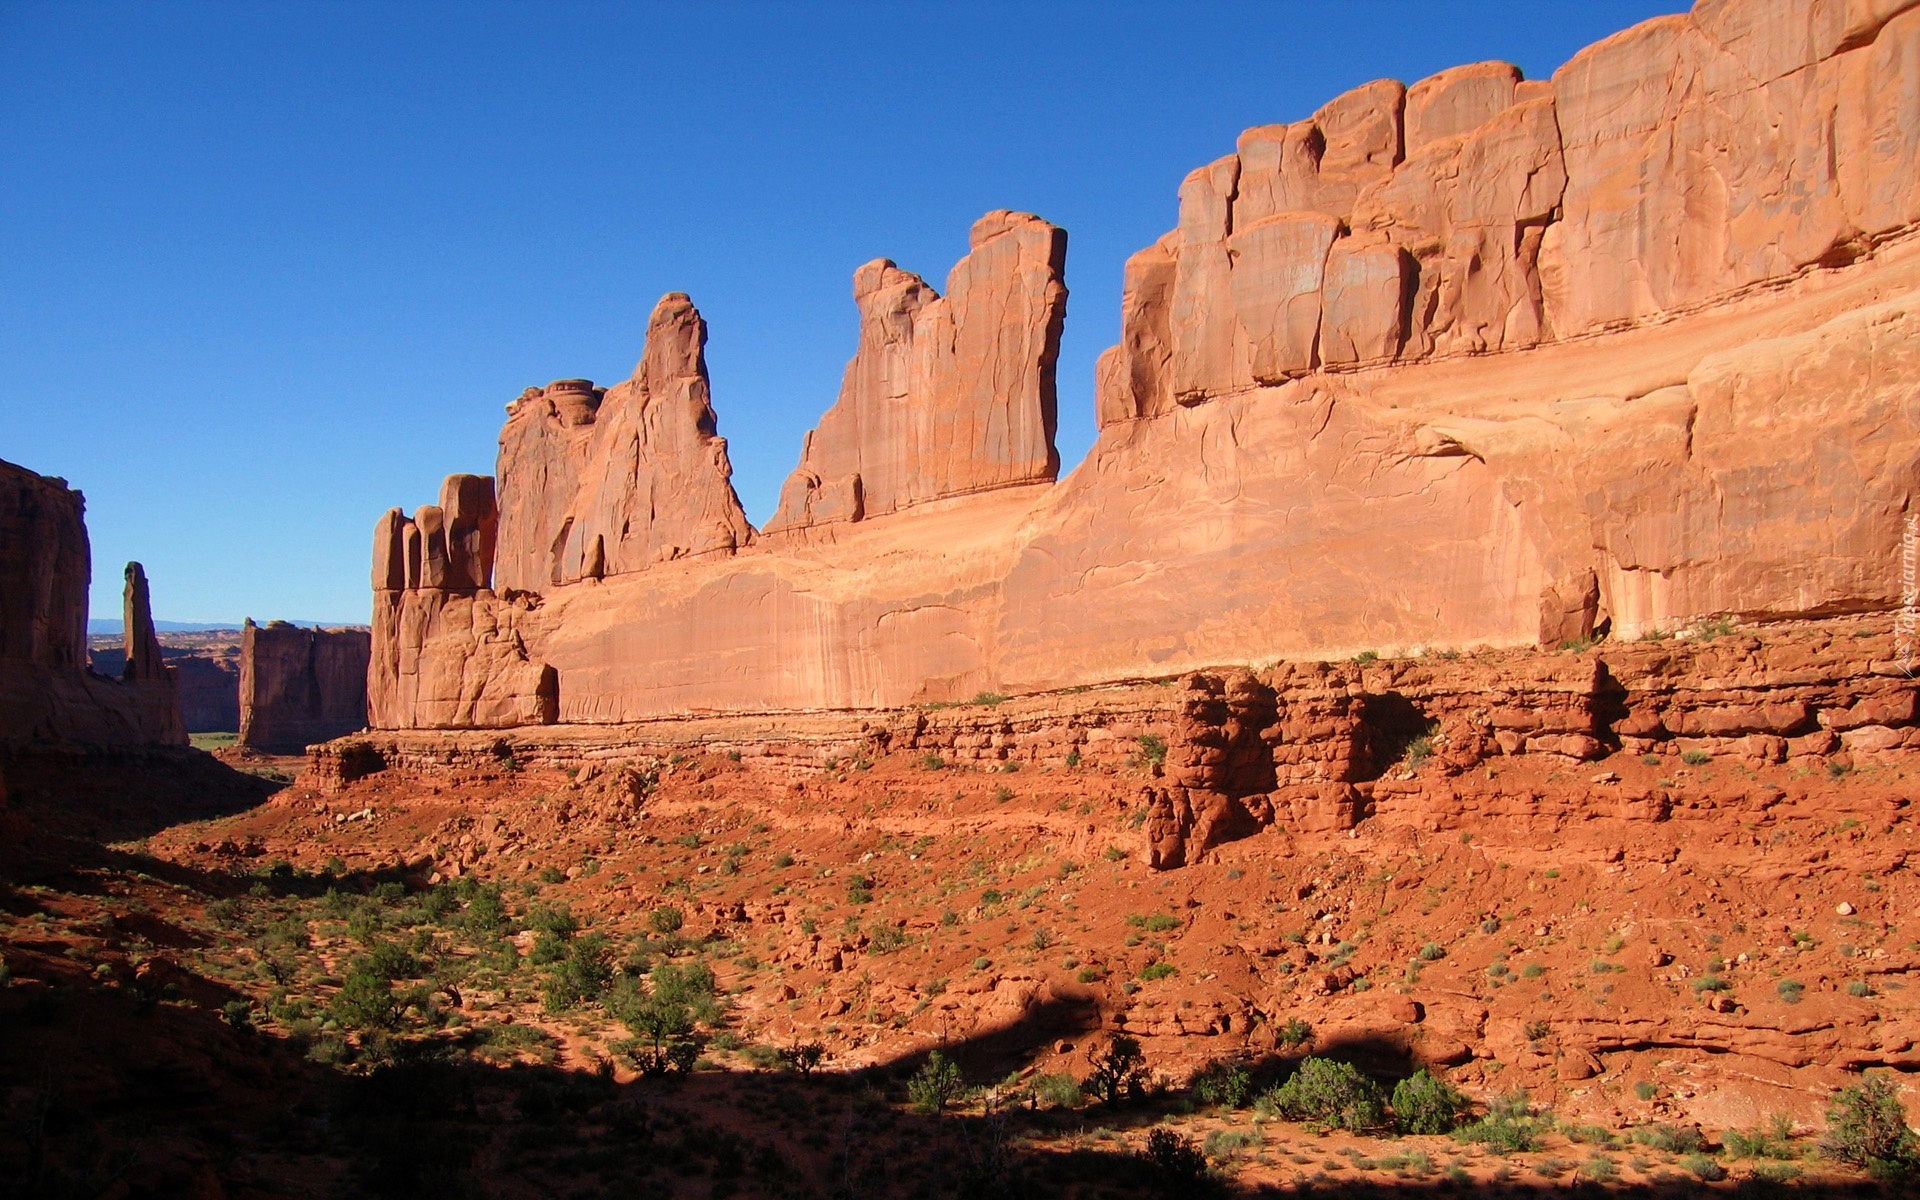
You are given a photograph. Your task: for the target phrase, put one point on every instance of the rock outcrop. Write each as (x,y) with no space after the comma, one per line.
(1485,361)
(1668,167)
(946,395)
(610,483)
(301,686)
(47,694)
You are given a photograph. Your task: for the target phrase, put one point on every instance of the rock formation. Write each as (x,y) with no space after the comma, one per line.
(205,670)
(47,695)
(946,395)
(301,686)
(1482,361)
(609,483)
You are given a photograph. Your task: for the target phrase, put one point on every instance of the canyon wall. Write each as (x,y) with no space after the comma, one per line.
(1483,361)
(301,686)
(47,694)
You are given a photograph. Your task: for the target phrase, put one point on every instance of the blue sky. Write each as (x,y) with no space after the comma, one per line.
(271,269)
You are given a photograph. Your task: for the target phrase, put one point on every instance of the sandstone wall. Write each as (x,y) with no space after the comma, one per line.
(946,395)
(47,695)
(1317,746)
(301,686)
(1480,362)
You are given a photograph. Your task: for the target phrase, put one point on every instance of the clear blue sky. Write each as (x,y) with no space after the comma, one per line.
(271,269)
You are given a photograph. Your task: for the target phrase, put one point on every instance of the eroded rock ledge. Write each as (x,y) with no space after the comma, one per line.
(1311,746)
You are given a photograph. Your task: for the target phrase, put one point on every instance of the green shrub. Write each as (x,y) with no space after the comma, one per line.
(1670,1139)
(1599,1169)
(1774,1142)
(1177,1166)
(1509,1127)
(1120,1071)
(551,874)
(1645,1089)
(365,1001)
(1702,1167)
(581,975)
(1153,749)
(1332,1092)
(1159,970)
(935,1085)
(1791,990)
(1296,1033)
(1222,1082)
(1695,758)
(1061,1091)
(802,1057)
(1432,952)
(1423,1104)
(1223,1144)
(1867,1126)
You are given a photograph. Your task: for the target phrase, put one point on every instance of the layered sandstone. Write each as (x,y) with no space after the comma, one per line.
(47,694)
(946,395)
(1480,362)
(609,483)
(300,686)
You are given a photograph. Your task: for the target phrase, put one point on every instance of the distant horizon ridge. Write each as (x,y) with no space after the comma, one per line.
(113,625)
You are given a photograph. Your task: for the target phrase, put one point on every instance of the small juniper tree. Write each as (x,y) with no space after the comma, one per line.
(935,1085)
(1867,1126)
(1120,1071)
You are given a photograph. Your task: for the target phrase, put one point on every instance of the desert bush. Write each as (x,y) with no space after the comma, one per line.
(1120,1071)
(935,1084)
(803,1057)
(1775,1141)
(1509,1127)
(1061,1091)
(1791,990)
(1670,1139)
(666,919)
(1153,749)
(1331,1092)
(1702,1167)
(581,974)
(1176,1166)
(365,1001)
(1867,1126)
(657,1023)
(1423,1104)
(1220,1081)
(1295,1033)
(1158,970)
(1224,1144)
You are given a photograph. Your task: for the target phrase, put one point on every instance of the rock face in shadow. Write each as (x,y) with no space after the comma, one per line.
(47,695)
(1483,361)
(301,686)
(945,395)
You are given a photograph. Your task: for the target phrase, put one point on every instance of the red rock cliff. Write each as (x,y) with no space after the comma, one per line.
(946,395)
(301,686)
(1482,361)
(47,696)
